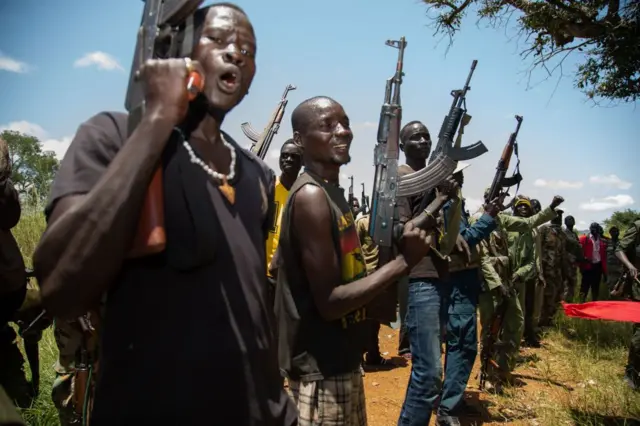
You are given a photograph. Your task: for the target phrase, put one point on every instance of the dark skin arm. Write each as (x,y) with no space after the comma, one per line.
(9,206)
(311,221)
(89,235)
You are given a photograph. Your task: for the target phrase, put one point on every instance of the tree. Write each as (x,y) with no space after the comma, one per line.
(622,220)
(33,168)
(607,32)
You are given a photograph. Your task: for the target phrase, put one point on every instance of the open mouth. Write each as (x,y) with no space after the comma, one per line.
(229,82)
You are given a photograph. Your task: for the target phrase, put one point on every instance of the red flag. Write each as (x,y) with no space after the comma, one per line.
(612,310)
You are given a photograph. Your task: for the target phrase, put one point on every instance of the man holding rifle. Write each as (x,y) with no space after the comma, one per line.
(198,312)
(323,285)
(426,289)
(501,289)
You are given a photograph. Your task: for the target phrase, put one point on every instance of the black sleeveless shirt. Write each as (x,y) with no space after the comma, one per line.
(311,348)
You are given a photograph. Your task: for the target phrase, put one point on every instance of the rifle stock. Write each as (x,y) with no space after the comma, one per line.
(262,141)
(160,17)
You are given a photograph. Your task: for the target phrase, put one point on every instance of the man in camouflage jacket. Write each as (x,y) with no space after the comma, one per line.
(555,267)
(502,286)
(574,255)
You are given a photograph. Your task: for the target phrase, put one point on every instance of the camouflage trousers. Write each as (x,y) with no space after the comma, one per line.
(552,295)
(570,284)
(532,307)
(508,344)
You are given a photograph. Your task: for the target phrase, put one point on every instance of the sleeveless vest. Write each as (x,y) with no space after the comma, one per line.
(309,346)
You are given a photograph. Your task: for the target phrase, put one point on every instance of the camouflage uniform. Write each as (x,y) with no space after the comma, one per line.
(522,255)
(498,269)
(8,414)
(555,266)
(69,338)
(574,255)
(615,268)
(629,243)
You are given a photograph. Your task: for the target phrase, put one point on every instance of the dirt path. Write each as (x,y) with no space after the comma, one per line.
(385,391)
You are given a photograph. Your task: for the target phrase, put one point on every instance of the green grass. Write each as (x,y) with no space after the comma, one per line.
(588,356)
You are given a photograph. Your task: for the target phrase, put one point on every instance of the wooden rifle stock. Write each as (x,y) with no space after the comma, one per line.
(150,237)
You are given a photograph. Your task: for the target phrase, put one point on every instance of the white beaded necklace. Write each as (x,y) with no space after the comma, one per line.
(218,176)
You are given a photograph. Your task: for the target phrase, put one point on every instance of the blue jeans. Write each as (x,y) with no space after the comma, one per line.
(462,338)
(423,326)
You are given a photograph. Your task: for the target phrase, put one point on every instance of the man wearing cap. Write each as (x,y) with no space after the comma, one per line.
(555,266)
(522,249)
(501,285)
(427,284)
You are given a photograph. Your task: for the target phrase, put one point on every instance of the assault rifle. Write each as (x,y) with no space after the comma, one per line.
(450,127)
(85,370)
(351,196)
(387,185)
(500,182)
(166,31)
(364,201)
(262,141)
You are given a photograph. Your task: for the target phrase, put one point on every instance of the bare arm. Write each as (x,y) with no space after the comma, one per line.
(312,222)
(88,236)
(9,205)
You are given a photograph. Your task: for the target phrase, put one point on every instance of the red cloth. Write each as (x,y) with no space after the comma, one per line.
(587,252)
(612,310)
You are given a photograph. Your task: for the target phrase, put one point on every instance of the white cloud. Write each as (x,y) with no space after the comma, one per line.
(26,127)
(472,204)
(610,180)
(57,146)
(12,65)
(102,60)
(607,203)
(557,184)
(274,153)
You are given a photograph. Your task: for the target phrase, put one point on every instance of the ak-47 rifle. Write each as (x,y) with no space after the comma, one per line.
(450,127)
(364,201)
(387,185)
(500,182)
(85,370)
(262,141)
(351,196)
(166,31)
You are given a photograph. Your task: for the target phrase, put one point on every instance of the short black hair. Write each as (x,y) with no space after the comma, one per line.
(300,115)
(405,129)
(289,141)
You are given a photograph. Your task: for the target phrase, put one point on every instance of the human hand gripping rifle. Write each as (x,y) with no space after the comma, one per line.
(166,31)
(500,181)
(387,185)
(262,141)
(450,127)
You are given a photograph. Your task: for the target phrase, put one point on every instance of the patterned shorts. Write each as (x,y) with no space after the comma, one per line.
(334,401)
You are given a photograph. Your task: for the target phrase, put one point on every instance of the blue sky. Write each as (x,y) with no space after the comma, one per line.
(61,64)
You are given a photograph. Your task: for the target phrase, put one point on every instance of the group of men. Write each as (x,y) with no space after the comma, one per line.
(264,277)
